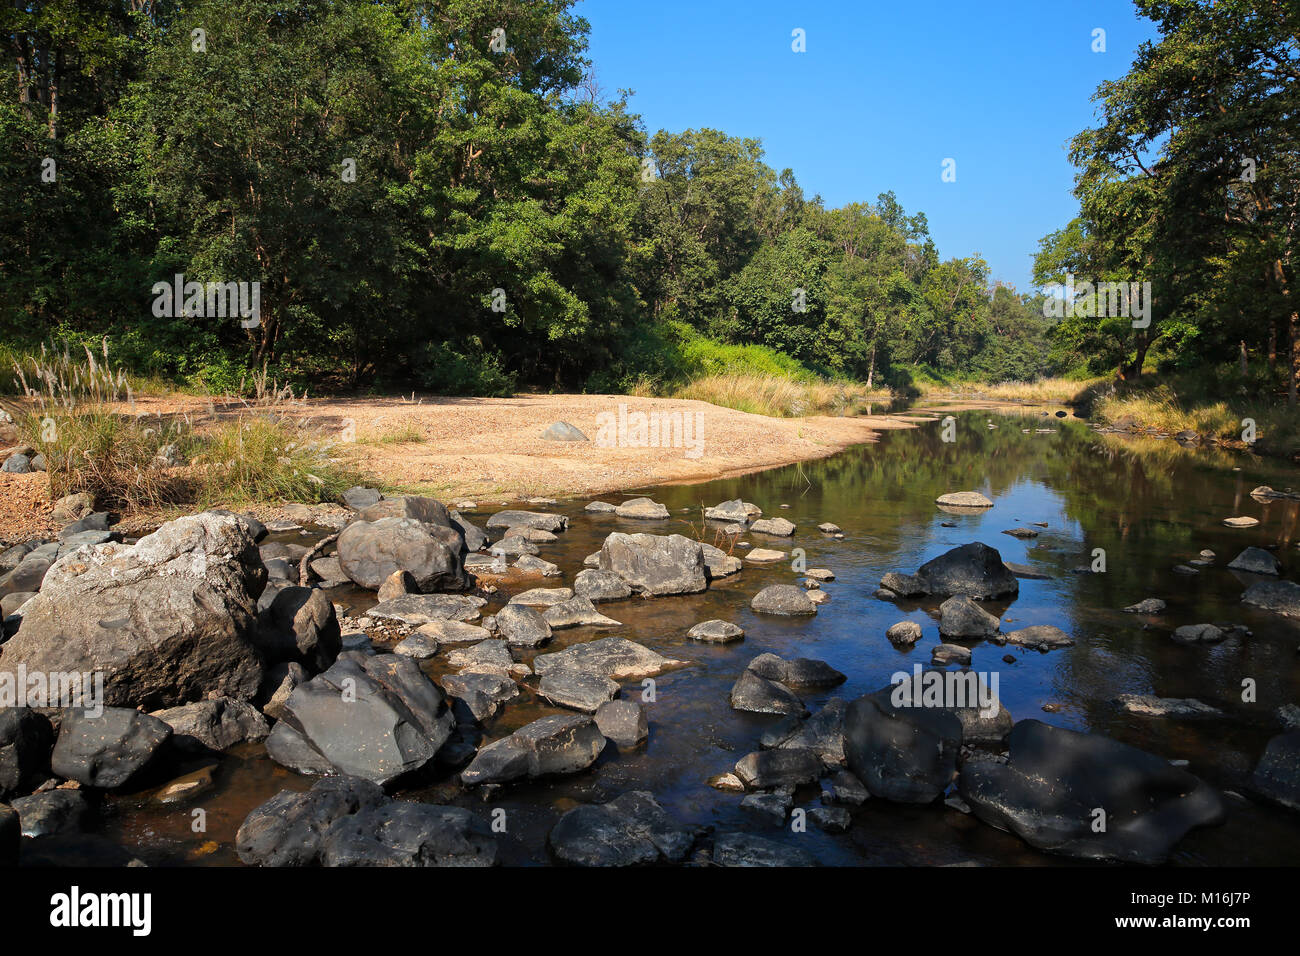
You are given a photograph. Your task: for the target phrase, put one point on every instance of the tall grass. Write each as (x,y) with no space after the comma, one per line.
(780,397)
(263,457)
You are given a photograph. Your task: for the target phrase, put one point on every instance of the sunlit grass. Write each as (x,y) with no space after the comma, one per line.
(780,397)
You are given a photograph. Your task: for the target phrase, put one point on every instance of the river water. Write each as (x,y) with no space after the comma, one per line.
(1148,504)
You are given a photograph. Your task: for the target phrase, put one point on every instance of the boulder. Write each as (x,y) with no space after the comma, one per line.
(482,693)
(1280,597)
(1055,780)
(168,620)
(778,527)
(612,657)
(719,563)
(358,498)
(599,585)
(528,519)
(577,690)
(370,552)
(542,597)
(642,508)
(577,612)
(905,754)
(630,830)
(655,565)
(716,632)
(974,569)
(801,672)
(551,745)
(377,717)
(397,584)
(522,626)
(531,564)
(1277,776)
(623,721)
(288,829)
(398,833)
(599,507)
(822,733)
(903,585)
(26,739)
(785,600)
(420,609)
(745,849)
(109,750)
(1255,561)
(300,625)
(52,811)
(513,546)
(730,512)
(759,695)
(485,657)
(960,617)
(904,633)
(475,537)
(790,767)
(562,431)
(216,724)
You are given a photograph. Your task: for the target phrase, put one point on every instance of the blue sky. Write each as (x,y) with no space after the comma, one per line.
(884,94)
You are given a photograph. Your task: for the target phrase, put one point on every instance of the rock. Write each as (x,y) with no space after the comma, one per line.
(300,625)
(52,811)
(1146,705)
(904,754)
(827,527)
(1054,780)
(1023,533)
(950,654)
(716,632)
(10,604)
(1281,597)
(613,657)
(960,617)
(26,739)
(1147,606)
(418,609)
(452,632)
(758,695)
(726,782)
(167,620)
(528,519)
(1040,637)
(745,849)
(397,584)
(719,563)
(655,565)
(108,750)
(596,586)
(903,585)
(187,786)
(1198,634)
(904,633)
(398,833)
(72,508)
(963,499)
(623,721)
(975,570)
(522,626)
(542,597)
(329,571)
(791,766)
(532,535)
(375,717)
(531,564)
(800,672)
(288,829)
(95,521)
(577,690)
(642,508)
(822,733)
(599,507)
(1255,561)
(820,574)
(513,545)
(420,646)
(370,552)
(482,693)
(279,683)
(17,464)
(551,745)
(475,537)
(1025,572)
(562,431)
(847,789)
(216,724)
(784,599)
(484,657)
(1277,776)
(764,556)
(577,612)
(1241,522)
(779,527)
(771,807)
(359,498)
(1288,715)
(628,831)
(729,512)
(831,819)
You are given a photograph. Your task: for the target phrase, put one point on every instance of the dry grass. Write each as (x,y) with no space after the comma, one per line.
(1047,391)
(779,397)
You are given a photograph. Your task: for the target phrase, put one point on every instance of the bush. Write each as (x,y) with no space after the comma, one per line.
(266,457)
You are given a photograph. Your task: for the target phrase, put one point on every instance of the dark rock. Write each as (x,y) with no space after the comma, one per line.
(551,745)
(26,739)
(301,626)
(1255,561)
(1277,776)
(901,753)
(745,849)
(482,693)
(577,689)
(791,766)
(216,724)
(522,626)
(1281,597)
(370,551)
(630,830)
(960,617)
(801,672)
(398,833)
(762,696)
(623,721)
(783,599)
(287,830)
(109,750)
(52,811)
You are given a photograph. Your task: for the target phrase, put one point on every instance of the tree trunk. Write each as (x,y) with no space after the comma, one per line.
(871,371)
(1243,358)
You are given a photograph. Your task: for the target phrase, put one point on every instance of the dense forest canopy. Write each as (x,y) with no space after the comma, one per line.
(439,196)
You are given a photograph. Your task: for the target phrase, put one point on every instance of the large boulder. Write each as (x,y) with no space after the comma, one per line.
(523,626)
(370,551)
(551,745)
(906,753)
(596,586)
(26,739)
(1056,781)
(377,717)
(300,625)
(288,829)
(216,724)
(614,657)
(426,510)
(541,520)
(960,617)
(655,565)
(629,830)
(107,751)
(398,833)
(974,569)
(168,620)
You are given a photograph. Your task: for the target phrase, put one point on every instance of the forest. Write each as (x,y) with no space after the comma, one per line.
(441,197)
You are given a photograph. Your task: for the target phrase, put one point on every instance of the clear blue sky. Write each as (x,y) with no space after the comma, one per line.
(885,92)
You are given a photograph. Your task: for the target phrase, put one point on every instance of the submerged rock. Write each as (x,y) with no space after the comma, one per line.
(551,745)
(1147,705)
(1055,780)
(1147,606)
(1281,597)
(1277,776)
(630,830)
(904,754)
(1040,637)
(745,849)
(612,657)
